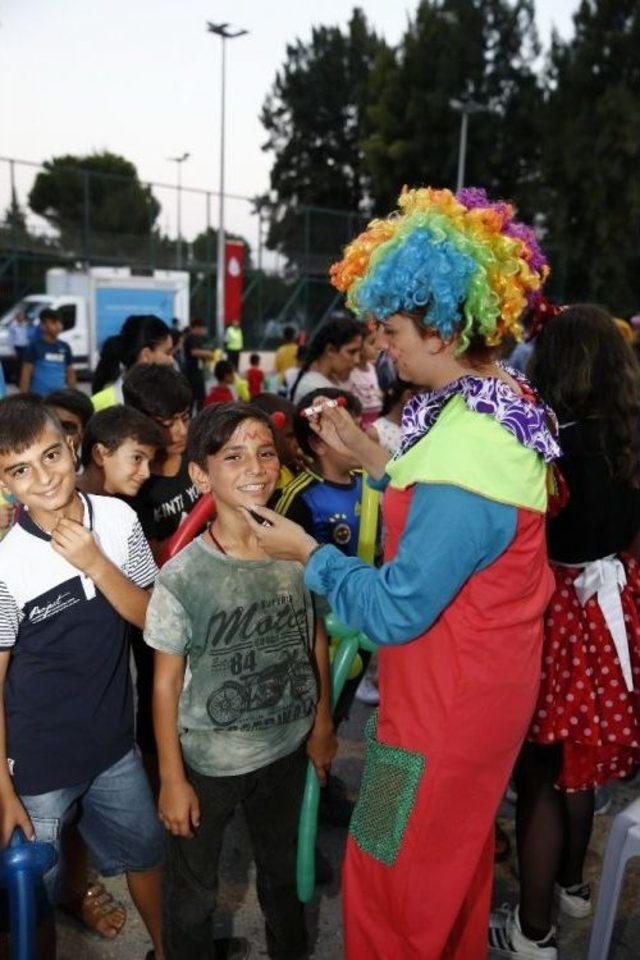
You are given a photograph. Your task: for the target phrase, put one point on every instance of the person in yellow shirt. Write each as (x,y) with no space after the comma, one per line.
(234,342)
(287,353)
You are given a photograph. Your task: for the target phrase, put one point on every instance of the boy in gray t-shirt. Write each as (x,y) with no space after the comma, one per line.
(241,688)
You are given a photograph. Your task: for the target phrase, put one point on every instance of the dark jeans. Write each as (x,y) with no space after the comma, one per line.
(270,798)
(233,356)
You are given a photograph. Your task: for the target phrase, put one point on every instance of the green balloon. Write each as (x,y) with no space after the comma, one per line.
(308,824)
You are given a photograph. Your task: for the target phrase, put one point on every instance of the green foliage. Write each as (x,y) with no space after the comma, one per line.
(591,155)
(316,117)
(478,50)
(351,120)
(100,193)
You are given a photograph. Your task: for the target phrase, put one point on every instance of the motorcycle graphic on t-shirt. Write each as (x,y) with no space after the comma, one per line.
(265,688)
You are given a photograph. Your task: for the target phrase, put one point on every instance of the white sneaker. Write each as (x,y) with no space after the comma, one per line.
(574,901)
(506,938)
(368,693)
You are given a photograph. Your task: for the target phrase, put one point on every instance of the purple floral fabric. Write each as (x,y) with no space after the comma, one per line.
(533,424)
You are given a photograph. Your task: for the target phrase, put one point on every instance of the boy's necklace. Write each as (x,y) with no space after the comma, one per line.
(216,542)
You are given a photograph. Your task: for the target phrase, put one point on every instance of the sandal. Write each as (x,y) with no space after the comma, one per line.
(99,912)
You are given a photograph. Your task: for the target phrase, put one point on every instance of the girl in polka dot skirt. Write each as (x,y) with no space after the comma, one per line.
(586,727)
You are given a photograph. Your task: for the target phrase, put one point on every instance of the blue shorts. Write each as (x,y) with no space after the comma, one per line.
(116,817)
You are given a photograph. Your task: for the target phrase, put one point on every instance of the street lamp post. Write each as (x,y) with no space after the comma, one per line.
(465,108)
(225,33)
(178,162)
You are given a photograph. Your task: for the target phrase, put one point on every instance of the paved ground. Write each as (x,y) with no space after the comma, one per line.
(239,912)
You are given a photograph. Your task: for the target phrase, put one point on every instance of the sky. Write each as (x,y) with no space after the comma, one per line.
(142,78)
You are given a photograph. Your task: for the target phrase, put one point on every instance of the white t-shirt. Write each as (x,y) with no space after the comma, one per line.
(311,380)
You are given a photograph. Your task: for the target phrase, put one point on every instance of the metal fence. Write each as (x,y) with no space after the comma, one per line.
(108,219)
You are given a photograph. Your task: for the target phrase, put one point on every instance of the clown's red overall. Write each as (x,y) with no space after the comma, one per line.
(462,695)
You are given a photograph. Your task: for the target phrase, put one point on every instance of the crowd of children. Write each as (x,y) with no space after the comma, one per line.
(231,657)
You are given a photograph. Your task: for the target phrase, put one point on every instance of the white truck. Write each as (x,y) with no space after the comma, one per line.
(94,303)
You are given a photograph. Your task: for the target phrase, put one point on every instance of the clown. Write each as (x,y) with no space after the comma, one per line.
(457,606)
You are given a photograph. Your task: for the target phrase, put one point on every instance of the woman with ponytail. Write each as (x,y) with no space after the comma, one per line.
(142,339)
(333,353)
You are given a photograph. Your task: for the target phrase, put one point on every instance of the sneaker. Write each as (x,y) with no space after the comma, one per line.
(368,693)
(574,901)
(506,938)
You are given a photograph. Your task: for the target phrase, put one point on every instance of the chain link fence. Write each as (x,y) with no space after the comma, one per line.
(74,217)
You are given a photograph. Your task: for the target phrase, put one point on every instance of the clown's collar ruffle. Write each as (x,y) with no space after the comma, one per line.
(531,421)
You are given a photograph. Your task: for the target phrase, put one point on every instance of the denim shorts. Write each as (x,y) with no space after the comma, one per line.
(115,814)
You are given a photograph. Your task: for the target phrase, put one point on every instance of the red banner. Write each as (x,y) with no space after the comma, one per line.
(233,267)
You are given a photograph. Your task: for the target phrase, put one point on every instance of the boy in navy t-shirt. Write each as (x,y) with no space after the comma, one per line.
(67,745)
(48,363)
(325,499)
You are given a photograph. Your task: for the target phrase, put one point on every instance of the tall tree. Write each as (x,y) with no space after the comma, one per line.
(100,194)
(592,155)
(316,117)
(467,50)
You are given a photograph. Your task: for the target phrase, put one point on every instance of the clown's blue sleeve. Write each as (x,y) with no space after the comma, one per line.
(381,484)
(450,534)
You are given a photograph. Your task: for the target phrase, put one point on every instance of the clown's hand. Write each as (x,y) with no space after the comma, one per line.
(279,537)
(336,427)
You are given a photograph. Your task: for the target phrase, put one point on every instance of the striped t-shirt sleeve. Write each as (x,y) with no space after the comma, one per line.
(140,566)
(10,617)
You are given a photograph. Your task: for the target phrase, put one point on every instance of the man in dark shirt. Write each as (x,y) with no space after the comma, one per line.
(194,354)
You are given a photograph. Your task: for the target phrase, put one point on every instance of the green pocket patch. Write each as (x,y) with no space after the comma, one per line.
(390,783)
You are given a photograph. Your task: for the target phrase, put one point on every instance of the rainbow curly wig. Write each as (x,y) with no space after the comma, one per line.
(459,261)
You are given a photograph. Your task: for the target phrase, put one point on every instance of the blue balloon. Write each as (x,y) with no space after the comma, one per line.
(22,863)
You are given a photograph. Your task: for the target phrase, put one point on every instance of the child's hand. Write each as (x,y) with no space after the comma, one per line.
(179,808)
(322,747)
(12,815)
(76,544)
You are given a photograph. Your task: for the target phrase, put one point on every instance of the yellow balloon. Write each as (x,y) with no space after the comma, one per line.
(356,666)
(368,522)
